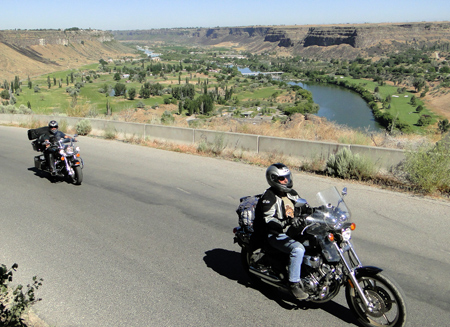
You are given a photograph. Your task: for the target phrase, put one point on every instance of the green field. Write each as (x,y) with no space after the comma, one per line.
(399,105)
(57,99)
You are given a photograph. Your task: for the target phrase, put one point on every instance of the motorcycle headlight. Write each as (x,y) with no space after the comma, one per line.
(69,150)
(346,234)
(61,152)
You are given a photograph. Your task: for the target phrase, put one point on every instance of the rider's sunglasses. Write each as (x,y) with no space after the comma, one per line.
(282,178)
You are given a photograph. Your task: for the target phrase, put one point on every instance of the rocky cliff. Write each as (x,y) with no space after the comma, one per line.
(346,41)
(31,52)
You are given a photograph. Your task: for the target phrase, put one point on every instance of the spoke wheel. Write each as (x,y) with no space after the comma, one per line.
(386,301)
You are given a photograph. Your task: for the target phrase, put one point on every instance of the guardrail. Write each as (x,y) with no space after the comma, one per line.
(384,158)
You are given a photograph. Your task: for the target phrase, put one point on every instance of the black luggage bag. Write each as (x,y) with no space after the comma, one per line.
(33,134)
(36,132)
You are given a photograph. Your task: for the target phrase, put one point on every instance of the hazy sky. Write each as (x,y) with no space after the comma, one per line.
(147,14)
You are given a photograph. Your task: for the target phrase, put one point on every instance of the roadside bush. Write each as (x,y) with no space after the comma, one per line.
(14,301)
(347,165)
(167,118)
(84,127)
(428,167)
(23,109)
(9,109)
(110,132)
(216,148)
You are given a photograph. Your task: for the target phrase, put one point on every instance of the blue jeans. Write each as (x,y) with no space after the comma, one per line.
(295,249)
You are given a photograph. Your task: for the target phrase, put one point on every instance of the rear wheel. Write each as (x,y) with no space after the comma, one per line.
(387,302)
(245,261)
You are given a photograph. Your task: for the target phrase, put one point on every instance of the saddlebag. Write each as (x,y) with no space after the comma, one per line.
(36,132)
(246,211)
(39,162)
(37,146)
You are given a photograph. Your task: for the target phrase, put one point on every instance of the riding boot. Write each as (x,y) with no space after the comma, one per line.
(51,164)
(297,292)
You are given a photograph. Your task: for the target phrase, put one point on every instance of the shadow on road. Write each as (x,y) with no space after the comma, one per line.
(228,264)
(42,174)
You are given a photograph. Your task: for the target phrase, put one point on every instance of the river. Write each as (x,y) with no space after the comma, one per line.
(340,105)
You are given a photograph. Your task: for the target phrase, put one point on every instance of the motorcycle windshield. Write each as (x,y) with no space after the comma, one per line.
(332,205)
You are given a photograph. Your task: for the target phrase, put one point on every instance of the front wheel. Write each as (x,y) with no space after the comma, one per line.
(387,302)
(78,175)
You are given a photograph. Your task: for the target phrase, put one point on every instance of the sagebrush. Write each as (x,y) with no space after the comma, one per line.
(345,164)
(428,167)
(15,300)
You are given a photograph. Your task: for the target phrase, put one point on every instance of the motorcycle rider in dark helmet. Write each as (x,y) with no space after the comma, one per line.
(49,151)
(274,213)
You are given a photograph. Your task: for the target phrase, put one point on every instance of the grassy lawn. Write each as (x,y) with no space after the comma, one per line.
(260,93)
(400,106)
(57,100)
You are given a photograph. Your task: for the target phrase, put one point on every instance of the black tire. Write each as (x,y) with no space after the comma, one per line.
(384,294)
(78,175)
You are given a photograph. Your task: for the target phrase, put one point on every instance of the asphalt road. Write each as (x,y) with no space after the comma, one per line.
(147,240)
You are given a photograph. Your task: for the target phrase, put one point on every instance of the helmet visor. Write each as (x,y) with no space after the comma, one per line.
(284,179)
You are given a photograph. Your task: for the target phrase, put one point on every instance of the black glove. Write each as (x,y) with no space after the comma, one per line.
(306,210)
(296,222)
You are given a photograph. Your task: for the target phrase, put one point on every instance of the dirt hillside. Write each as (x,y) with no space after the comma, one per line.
(26,56)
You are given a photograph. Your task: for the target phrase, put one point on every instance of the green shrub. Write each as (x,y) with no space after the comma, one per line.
(140,104)
(215,148)
(23,109)
(167,118)
(347,165)
(14,301)
(84,127)
(429,168)
(203,147)
(424,120)
(110,132)
(443,126)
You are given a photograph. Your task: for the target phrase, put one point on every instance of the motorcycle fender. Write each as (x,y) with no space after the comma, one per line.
(80,163)
(367,270)
(362,271)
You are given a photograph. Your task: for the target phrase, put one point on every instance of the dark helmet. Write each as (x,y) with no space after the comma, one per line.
(53,124)
(278,172)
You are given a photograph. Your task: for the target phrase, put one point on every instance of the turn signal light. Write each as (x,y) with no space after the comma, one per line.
(331,237)
(78,155)
(62,158)
(352,226)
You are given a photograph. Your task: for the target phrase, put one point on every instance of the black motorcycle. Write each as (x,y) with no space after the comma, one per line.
(67,160)
(330,261)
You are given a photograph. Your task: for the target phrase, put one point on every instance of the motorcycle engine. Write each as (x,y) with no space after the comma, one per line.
(322,281)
